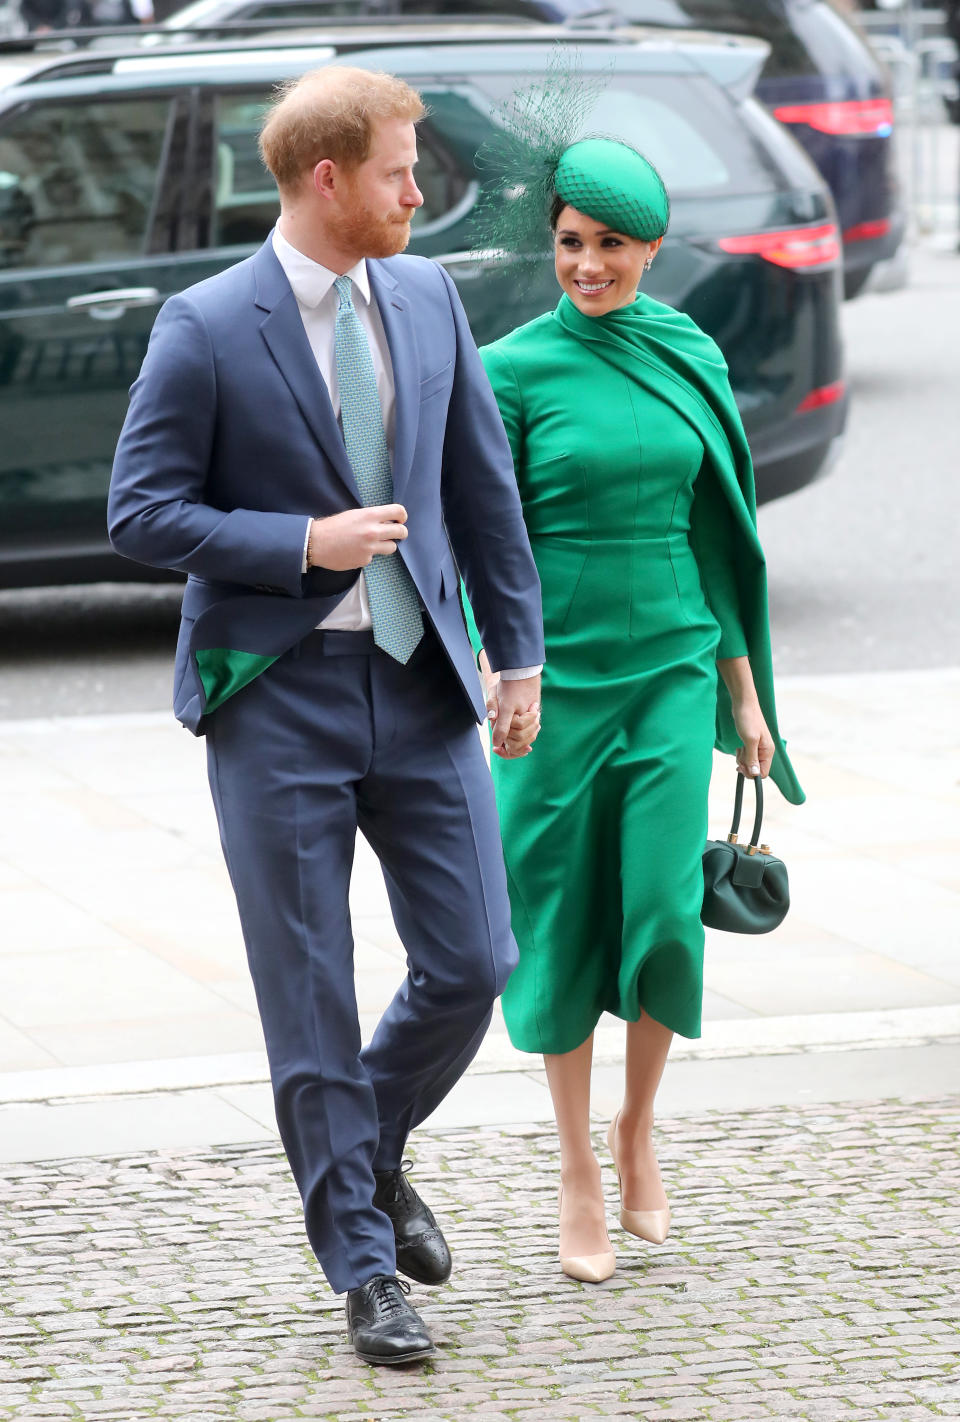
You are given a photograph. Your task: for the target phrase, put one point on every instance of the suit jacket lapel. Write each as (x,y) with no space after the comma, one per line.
(398,325)
(282,330)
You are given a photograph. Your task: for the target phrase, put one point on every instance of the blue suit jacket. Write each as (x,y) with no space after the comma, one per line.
(230,444)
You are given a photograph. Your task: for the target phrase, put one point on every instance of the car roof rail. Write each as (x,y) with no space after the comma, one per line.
(68,51)
(734,62)
(65,41)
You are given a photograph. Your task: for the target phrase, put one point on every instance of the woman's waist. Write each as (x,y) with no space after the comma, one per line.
(654,545)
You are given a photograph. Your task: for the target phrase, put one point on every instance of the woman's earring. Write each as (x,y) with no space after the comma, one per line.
(648,264)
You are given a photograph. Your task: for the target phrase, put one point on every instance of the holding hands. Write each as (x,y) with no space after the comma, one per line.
(514,708)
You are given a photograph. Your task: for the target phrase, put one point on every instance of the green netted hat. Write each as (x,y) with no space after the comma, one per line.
(613,183)
(544,148)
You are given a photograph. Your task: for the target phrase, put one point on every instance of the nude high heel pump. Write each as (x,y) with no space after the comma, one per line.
(651,1225)
(587,1268)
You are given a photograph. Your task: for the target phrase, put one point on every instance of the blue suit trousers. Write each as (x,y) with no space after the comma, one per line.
(337,736)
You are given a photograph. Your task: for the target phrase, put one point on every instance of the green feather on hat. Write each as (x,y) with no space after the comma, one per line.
(541,151)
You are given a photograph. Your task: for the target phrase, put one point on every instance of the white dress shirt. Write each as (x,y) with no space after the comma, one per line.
(318,303)
(317,300)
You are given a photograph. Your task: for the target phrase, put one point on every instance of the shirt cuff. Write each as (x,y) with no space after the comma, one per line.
(520,673)
(306,546)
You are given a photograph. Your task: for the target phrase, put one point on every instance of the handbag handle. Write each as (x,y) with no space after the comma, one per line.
(732,838)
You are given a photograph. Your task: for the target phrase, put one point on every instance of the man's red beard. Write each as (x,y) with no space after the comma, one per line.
(370,234)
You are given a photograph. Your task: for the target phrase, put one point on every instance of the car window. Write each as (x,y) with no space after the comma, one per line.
(768,19)
(515,9)
(686,125)
(246,204)
(306,11)
(245,201)
(200,12)
(78,181)
(685,155)
(835,46)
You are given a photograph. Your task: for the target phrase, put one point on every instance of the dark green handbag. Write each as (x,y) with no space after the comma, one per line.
(745,889)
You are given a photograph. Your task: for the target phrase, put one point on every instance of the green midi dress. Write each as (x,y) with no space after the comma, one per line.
(604,824)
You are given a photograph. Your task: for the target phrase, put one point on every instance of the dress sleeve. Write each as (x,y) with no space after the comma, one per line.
(713,537)
(503,381)
(506,389)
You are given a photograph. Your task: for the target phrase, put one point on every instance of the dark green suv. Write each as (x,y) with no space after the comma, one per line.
(125,177)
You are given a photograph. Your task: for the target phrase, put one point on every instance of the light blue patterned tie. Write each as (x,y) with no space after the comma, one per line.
(394,605)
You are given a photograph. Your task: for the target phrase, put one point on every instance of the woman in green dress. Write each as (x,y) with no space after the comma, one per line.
(637,491)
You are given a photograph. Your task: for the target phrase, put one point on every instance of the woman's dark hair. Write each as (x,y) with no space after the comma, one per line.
(556,207)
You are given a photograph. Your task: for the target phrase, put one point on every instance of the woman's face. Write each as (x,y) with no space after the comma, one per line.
(598,268)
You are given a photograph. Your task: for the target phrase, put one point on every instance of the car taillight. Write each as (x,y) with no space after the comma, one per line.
(823,395)
(799,248)
(865,230)
(872,117)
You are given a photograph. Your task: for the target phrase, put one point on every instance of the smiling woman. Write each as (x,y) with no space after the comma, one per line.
(637,492)
(600,258)
(597,268)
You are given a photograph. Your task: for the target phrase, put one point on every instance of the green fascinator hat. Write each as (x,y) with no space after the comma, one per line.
(543,149)
(613,183)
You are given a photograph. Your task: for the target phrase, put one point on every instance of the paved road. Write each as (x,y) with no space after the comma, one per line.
(862,565)
(811,1273)
(83,650)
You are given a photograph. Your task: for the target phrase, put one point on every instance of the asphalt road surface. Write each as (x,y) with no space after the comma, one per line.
(863,565)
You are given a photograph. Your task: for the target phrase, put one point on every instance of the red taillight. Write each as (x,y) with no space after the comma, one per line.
(851,116)
(865,230)
(823,395)
(795,247)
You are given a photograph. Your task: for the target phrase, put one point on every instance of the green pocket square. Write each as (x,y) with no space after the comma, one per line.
(224,671)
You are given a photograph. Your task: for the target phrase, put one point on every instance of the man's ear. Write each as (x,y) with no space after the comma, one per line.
(325,178)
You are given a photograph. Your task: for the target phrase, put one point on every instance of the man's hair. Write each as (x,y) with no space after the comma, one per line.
(330,113)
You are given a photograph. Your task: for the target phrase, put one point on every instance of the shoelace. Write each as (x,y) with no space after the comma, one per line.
(399,1189)
(389,1295)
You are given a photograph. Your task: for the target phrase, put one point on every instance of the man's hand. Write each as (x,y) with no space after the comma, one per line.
(354,538)
(517,722)
(524,730)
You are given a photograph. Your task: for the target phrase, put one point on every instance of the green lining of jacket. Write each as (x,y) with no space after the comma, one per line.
(223,672)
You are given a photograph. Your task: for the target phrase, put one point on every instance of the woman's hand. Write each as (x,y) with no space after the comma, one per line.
(491,687)
(755,755)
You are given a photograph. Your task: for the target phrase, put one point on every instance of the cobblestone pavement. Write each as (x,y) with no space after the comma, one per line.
(812,1273)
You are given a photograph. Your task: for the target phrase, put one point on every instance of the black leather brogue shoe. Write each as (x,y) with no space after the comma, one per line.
(382,1326)
(422,1252)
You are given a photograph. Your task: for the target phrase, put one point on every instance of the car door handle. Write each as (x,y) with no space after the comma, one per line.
(471,264)
(108,305)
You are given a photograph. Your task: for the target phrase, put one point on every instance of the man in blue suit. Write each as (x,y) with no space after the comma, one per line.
(310,436)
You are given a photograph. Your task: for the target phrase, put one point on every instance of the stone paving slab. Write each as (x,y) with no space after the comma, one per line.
(812,1273)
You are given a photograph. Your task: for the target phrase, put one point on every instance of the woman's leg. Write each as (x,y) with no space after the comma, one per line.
(648,1043)
(583,1226)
